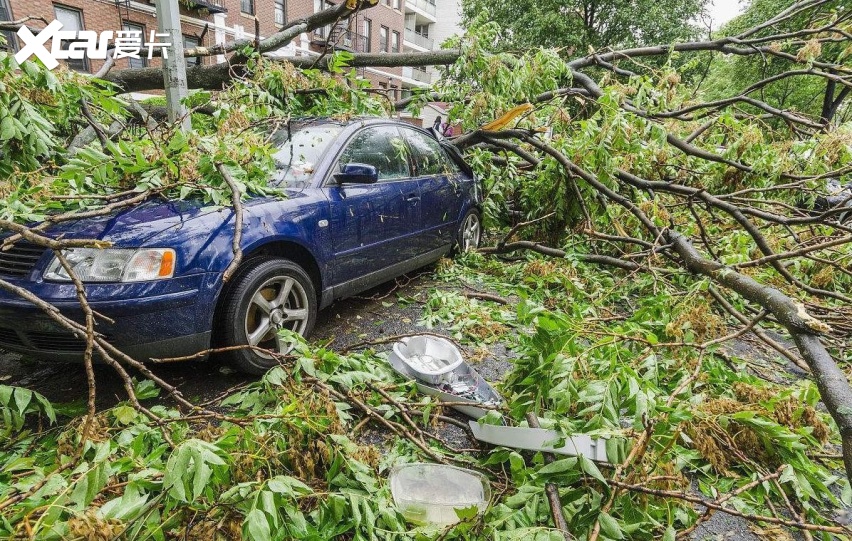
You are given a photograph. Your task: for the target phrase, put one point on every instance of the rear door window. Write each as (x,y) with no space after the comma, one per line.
(428,158)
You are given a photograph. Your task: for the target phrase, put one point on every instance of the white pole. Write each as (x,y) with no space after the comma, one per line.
(174,65)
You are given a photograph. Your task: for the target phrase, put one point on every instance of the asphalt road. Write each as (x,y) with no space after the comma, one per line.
(366,317)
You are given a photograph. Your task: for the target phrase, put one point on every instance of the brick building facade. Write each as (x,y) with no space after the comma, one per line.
(382,28)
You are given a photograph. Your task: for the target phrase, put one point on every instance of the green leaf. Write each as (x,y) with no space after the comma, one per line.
(559,466)
(297,524)
(7,128)
(590,468)
(609,526)
(466,513)
(256,525)
(145,389)
(22,398)
(124,414)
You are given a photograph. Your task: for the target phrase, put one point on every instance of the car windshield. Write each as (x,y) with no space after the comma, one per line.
(299,152)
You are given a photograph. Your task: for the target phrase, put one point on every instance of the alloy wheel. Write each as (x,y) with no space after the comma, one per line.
(279,303)
(471,232)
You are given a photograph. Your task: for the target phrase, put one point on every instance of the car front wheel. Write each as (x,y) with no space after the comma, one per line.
(272,294)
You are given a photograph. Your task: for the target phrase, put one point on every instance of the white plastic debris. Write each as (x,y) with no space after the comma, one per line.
(540,439)
(462,384)
(429,358)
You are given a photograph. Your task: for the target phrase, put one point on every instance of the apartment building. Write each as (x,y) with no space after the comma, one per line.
(209,22)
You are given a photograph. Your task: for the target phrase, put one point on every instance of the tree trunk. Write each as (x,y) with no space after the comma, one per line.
(215,77)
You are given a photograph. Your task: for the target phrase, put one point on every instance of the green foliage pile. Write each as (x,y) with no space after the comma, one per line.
(40,113)
(601,137)
(283,462)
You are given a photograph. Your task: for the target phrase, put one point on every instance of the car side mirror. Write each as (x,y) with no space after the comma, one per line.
(357,173)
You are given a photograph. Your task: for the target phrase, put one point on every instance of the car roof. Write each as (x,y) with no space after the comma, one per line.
(362,120)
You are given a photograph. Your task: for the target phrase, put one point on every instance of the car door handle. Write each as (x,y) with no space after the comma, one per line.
(412,198)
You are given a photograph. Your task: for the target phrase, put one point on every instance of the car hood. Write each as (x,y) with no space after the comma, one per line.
(134,226)
(131,226)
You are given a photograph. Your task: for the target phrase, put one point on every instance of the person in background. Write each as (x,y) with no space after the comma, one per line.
(448,129)
(438,125)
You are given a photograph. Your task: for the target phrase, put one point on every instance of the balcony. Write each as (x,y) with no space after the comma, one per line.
(212,6)
(418,74)
(419,39)
(340,38)
(423,5)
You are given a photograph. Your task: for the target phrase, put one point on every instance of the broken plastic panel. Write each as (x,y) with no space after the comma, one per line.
(540,439)
(429,358)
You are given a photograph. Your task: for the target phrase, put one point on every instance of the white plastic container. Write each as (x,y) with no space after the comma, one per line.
(428,358)
(431,493)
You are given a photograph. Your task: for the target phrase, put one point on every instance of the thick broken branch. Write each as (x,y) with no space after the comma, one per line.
(803,328)
(556,252)
(215,77)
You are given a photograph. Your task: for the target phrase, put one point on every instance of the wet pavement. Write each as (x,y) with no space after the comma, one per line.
(373,315)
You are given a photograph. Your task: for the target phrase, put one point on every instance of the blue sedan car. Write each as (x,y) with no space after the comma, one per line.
(366,201)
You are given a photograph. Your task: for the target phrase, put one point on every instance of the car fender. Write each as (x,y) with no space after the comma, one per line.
(473,200)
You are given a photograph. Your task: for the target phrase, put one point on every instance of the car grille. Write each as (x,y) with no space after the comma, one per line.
(56,342)
(9,337)
(20,259)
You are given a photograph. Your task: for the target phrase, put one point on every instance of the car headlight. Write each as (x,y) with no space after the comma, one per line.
(114,264)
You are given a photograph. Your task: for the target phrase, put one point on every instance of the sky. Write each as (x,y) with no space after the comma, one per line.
(722,11)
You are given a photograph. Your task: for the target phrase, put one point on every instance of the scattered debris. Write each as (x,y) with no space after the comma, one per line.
(436,494)
(439,370)
(429,358)
(540,439)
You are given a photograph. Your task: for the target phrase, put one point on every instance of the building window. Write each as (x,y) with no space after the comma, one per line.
(247,6)
(138,30)
(280,12)
(191,42)
(383,39)
(72,20)
(9,37)
(395,42)
(368,35)
(320,5)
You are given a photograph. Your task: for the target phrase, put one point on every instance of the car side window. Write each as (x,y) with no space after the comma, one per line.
(381,147)
(428,156)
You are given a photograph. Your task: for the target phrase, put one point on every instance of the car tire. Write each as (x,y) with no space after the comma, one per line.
(470,232)
(269,294)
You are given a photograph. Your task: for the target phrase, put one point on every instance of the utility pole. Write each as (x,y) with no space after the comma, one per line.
(174,65)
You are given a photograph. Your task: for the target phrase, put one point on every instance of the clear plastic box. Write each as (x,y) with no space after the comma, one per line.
(431,493)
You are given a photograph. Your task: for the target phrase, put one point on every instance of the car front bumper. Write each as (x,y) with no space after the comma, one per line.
(159,319)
